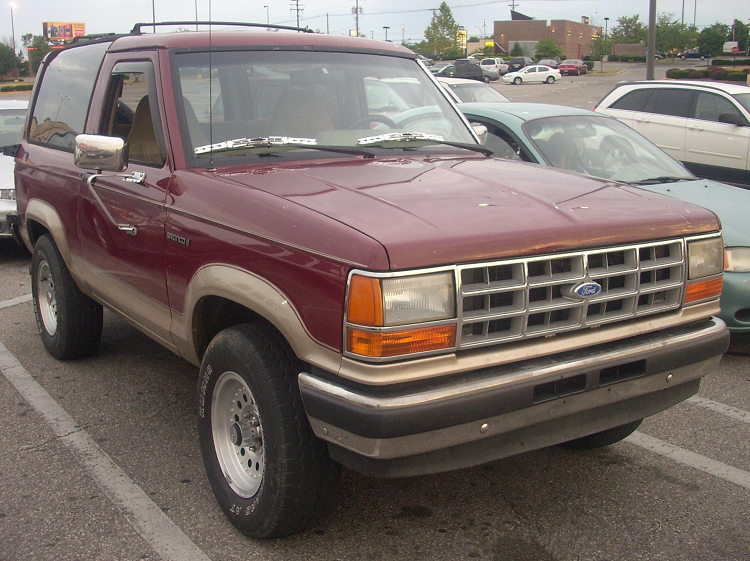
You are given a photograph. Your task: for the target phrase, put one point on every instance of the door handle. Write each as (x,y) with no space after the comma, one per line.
(696,128)
(642,120)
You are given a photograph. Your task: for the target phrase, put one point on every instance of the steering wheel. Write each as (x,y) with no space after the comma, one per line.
(367,119)
(618,154)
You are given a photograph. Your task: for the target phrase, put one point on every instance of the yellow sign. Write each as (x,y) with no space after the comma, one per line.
(489,43)
(63,32)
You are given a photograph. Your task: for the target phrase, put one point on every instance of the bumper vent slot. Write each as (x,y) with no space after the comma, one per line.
(622,372)
(559,388)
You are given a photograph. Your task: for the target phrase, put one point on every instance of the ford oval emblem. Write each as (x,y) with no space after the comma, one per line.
(587,289)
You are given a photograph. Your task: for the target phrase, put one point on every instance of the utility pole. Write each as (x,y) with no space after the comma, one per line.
(296,8)
(403,32)
(386,27)
(356,17)
(13,28)
(651,51)
(328,29)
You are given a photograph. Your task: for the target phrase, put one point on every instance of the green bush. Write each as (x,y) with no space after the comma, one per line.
(695,75)
(729,61)
(746,70)
(705,73)
(736,76)
(678,73)
(590,64)
(24,87)
(7,89)
(614,58)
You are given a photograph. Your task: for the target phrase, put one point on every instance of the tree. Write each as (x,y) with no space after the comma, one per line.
(711,38)
(7,59)
(629,30)
(742,34)
(517,50)
(442,31)
(37,47)
(600,47)
(547,48)
(671,35)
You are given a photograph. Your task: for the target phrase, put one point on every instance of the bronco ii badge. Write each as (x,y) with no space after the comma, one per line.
(587,289)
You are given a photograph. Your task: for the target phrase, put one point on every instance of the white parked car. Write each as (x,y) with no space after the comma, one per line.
(536,73)
(705,125)
(462,90)
(12,118)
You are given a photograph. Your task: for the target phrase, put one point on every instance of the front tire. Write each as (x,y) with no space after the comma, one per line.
(517,81)
(550,79)
(69,322)
(271,476)
(603,438)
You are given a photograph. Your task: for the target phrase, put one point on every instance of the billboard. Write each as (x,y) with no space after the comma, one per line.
(58,32)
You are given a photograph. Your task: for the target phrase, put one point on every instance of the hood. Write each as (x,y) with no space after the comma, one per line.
(729,203)
(7,165)
(441,211)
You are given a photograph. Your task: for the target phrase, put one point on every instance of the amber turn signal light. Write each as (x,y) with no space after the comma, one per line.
(395,343)
(701,290)
(365,301)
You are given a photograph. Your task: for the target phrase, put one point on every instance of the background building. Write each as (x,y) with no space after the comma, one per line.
(573,38)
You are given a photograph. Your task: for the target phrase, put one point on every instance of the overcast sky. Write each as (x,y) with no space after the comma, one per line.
(109,16)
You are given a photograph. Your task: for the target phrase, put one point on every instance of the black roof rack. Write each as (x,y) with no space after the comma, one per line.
(137,27)
(96,37)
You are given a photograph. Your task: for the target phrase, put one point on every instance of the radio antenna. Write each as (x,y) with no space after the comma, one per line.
(210,95)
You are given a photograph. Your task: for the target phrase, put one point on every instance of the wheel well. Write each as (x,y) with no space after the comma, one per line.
(36,231)
(214,314)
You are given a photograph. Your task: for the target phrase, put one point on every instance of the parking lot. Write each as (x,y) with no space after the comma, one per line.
(101,459)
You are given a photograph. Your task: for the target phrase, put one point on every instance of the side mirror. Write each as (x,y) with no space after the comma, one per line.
(102,153)
(481,131)
(732,119)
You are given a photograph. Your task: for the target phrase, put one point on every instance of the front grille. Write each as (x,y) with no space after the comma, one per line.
(523,298)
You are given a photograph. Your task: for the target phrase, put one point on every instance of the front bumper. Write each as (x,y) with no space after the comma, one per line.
(735,301)
(491,413)
(6,207)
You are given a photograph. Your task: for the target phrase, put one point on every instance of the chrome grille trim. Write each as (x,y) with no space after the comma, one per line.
(522,298)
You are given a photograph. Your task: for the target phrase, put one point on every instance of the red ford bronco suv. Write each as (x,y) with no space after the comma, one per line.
(358,284)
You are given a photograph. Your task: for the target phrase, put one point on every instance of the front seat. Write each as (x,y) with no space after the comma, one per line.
(143,147)
(300,113)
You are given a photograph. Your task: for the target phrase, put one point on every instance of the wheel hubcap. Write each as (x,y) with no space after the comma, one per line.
(46,298)
(238,434)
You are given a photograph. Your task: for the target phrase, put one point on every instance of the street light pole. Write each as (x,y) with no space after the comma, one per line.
(386,27)
(606,23)
(403,33)
(268,19)
(13,27)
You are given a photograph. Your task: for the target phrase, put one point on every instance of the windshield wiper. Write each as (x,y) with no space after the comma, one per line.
(662,179)
(270,144)
(416,139)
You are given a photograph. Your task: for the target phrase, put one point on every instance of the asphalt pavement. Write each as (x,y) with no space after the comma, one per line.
(100,460)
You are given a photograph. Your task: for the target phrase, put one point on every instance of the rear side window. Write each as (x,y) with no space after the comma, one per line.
(633,101)
(675,103)
(62,103)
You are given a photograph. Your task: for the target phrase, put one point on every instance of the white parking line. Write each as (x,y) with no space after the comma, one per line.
(15,301)
(726,410)
(163,535)
(691,459)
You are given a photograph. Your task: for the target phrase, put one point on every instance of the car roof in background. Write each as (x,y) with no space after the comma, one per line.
(458,81)
(527,111)
(727,88)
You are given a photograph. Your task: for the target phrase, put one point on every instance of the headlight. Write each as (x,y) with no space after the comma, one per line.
(706,258)
(8,194)
(738,260)
(380,304)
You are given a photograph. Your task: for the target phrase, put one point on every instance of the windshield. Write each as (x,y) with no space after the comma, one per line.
(11,126)
(744,99)
(334,98)
(601,147)
(476,92)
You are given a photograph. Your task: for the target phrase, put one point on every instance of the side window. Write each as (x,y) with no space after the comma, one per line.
(531,69)
(709,106)
(672,102)
(132,112)
(62,104)
(502,144)
(633,101)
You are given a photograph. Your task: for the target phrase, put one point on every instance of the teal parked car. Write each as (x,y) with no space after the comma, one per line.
(581,141)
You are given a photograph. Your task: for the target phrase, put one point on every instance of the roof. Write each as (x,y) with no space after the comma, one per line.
(728,88)
(458,81)
(228,38)
(14,103)
(527,111)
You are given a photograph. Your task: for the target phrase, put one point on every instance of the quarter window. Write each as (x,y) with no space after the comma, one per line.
(62,103)
(633,101)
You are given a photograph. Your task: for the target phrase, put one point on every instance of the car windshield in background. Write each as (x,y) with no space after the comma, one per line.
(601,147)
(743,99)
(477,92)
(11,126)
(334,99)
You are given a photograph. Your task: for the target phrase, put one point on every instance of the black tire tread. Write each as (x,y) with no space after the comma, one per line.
(80,319)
